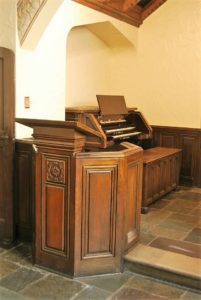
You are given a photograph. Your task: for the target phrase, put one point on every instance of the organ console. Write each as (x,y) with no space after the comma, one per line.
(85,189)
(112,123)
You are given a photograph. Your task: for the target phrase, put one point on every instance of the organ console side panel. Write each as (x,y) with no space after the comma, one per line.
(102,209)
(99,214)
(133,201)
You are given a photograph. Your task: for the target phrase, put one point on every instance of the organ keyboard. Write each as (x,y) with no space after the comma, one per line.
(111,123)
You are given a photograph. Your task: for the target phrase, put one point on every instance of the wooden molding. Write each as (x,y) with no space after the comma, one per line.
(130,11)
(128,4)
(151,7)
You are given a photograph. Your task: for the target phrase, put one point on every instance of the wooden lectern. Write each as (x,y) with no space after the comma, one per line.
(87,202)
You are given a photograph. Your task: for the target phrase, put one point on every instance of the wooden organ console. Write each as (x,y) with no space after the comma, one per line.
(86,186)
(111,123)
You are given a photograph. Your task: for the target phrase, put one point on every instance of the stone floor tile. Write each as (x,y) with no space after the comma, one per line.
(155,217)
(194,236)
(10,295)
(191,296)
(145,227)
(107,282)
(176,225)
(160,204)
(182,205)
(190,219)
(155,287)
(196,211)
(127,293)
(19,279)
(167,232)
(20,254)
(146,238)
(92,293)
(5,246)
(195,190)
(6,267)
(173,195)
(53,287)
(192,196)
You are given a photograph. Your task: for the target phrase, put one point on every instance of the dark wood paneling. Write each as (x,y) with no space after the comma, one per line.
(52,217)
(187,139)
(53,210)
(24,191)
(160,173)
(98,214)
(99,211)
(55,205)
(133,204)
(6,144)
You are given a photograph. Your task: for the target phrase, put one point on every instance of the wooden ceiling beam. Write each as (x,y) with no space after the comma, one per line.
(104,1)
(128,4)
(151,7)
(125,10)
(111,10)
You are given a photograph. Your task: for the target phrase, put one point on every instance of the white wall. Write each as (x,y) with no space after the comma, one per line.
(7,24)
(88,67)
(162,76)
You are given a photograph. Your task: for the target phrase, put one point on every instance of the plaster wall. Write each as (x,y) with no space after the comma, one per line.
(8,24)
(162,75)
(41,71)
(88,67)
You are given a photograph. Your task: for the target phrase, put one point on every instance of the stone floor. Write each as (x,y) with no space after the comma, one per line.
(170,240)
(176,216)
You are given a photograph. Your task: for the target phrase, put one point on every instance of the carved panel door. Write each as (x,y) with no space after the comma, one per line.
(6,143)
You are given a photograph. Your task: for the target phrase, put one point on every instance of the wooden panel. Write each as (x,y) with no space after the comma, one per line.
(1,184)
(53,218)
(1,96)
(160,173)
(188,144)
(189,140)
(99,209)
(168,140)
(6,144)
(23,190)
(55,205)
(23,173)
(131,204)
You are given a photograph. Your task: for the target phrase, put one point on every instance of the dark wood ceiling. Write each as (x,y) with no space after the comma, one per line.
(133,12)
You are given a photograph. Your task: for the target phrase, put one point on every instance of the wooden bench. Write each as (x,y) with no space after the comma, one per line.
(161,170)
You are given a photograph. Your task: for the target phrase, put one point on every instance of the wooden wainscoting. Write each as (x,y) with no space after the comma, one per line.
(187,139)
(24,190)
(7,105)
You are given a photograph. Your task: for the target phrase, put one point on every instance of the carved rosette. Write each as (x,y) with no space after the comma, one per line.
(55,171)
